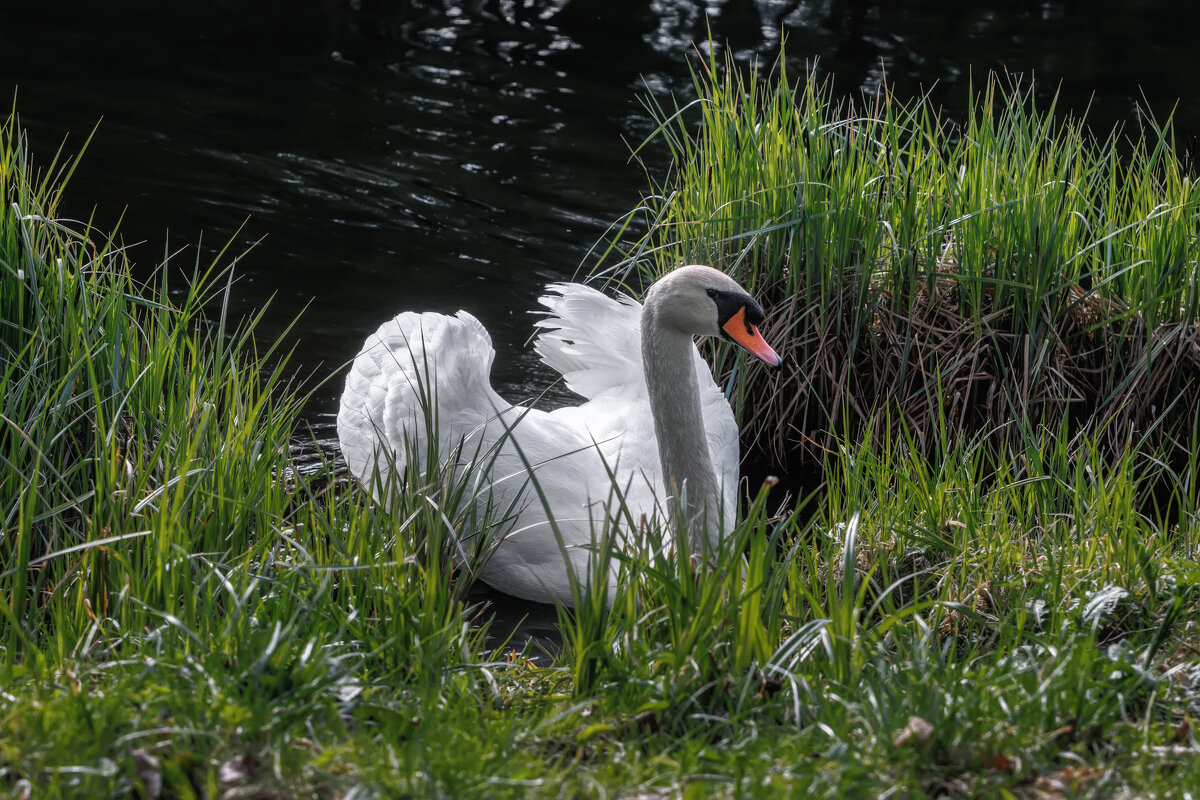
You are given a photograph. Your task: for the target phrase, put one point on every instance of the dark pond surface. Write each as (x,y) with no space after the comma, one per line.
(404,155)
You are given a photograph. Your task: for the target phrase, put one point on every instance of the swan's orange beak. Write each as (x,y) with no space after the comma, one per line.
(747,335)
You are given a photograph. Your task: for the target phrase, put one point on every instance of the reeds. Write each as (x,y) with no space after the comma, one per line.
(136,429)
(1011,269)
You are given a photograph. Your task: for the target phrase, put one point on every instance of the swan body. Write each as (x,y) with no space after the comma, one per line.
(654,432)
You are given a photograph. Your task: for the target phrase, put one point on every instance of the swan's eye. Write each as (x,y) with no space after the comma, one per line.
(713,293)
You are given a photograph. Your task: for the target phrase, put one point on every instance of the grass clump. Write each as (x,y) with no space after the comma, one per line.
(173,590)
(920,631)
(1011,266)
(134,429)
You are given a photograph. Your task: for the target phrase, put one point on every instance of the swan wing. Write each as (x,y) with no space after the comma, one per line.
(414,369)
(594,341)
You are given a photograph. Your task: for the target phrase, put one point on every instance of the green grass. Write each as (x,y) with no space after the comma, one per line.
(184,614)
(1010,265)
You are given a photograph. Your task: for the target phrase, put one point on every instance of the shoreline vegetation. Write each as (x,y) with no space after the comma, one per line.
(992,590)
(1004,273)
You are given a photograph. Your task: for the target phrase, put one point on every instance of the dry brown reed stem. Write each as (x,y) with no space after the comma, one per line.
(1096,369)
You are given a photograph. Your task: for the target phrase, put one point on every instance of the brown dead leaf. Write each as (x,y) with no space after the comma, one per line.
(1065,730)
(998,762)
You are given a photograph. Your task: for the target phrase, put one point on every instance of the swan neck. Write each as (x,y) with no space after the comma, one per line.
(668,359)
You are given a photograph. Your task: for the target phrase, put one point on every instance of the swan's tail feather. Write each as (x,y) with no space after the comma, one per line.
(593,340)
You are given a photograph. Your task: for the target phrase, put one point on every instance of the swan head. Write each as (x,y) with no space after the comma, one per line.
(702,301)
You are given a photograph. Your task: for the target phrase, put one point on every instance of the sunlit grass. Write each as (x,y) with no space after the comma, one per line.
(1015,264)
(185,614)
(155,529)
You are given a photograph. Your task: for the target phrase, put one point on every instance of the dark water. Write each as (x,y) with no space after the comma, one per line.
(407,155)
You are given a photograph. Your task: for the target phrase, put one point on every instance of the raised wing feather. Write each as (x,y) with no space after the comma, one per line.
(593,340)
(408,362)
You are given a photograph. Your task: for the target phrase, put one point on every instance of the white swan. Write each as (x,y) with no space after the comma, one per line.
(654,419)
